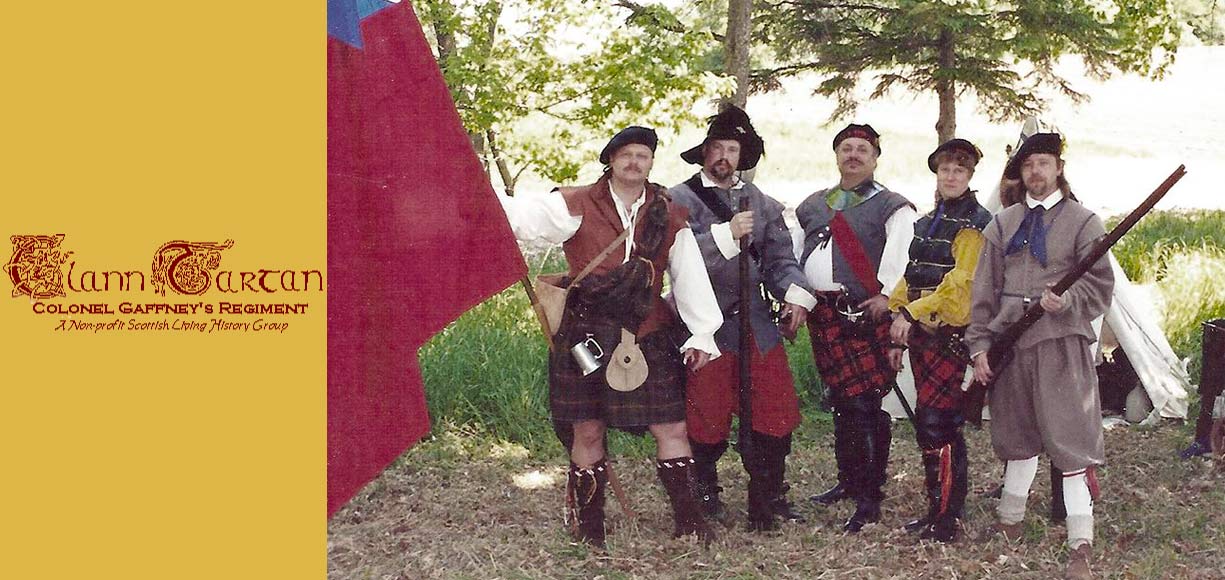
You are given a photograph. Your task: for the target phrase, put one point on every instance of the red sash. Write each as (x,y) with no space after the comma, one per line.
(854,253)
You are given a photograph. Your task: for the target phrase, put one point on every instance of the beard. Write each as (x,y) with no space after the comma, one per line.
(1038,185)
(721,170)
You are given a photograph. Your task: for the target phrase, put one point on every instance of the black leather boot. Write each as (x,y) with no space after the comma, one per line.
(843,457)
(706,476)
(866,477)
(943,523)
(883,440)
(938,432)
(677,477)
(1059,510)
(762,488)
(866,512)
(946,523)
(588,486)
(931,484)
(774,452)
(832,495)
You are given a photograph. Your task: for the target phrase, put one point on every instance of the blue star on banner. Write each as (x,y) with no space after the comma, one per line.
(345,16)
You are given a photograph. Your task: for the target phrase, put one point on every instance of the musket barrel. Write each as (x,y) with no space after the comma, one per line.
(746,343)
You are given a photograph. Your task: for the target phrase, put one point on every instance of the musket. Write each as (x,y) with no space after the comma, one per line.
(745,433)
(1002,352)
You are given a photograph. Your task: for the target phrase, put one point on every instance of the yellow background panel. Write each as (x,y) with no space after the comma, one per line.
(164,454)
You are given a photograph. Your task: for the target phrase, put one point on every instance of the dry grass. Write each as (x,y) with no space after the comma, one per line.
(458,506)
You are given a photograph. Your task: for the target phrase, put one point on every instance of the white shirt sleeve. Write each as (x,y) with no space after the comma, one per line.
(797,241)
(695,298)
(800,297)
(540,217)
(722,234)
(899,231)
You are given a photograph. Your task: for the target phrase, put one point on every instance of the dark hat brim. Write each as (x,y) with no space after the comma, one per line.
(750,152)
(955,144)
(733,124)
(694,156)
(1051,143)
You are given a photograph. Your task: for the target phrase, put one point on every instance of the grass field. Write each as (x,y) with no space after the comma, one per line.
(462,505)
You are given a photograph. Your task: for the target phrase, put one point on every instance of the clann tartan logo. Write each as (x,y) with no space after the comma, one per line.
(185,266)
(34,267)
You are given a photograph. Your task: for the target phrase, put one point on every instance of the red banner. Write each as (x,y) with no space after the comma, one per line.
(416,235)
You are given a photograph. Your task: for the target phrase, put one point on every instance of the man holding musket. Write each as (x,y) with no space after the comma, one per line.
(855,246)
(616,311)
(931,306)
(733,145)
(1046,399)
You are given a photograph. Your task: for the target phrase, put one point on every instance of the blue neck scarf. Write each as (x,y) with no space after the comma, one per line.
(1032,234)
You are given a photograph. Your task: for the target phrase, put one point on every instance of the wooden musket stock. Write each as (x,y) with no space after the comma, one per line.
(1002,352)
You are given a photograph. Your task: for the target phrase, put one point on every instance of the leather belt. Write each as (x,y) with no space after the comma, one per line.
(913,294)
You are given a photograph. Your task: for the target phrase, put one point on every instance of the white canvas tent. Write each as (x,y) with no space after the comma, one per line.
(1130,324)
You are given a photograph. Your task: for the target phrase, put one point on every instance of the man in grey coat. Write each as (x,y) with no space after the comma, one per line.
(732,144)
(1046,399)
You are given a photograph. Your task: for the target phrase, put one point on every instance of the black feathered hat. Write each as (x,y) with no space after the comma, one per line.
(732,123)
(955,144)
(1037,143)
(628,136)
(865,132)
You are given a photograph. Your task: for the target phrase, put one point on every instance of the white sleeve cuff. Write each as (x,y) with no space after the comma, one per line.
(704,343)
(800,297)
(722,233)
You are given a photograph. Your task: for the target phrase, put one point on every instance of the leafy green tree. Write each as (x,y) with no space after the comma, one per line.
(1004,52)
(1204,18)
(533,79)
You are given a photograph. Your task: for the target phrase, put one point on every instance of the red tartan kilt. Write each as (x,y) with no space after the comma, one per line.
(850,363)
(713,396)
(938,373)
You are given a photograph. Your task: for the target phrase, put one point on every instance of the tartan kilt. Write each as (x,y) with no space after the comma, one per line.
(661,399)
(939,370)
(851,358)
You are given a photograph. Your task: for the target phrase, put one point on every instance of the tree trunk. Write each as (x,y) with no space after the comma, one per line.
(736,48)
(508,180)
(445,38)
(478,145)
(946,90)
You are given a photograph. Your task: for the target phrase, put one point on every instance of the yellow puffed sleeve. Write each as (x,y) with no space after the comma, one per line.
(949,303)
(897,298)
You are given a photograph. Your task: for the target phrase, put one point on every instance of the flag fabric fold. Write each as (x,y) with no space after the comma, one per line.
(416,235)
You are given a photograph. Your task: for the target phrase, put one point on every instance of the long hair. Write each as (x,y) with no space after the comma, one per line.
(1012,191)
(1065,187)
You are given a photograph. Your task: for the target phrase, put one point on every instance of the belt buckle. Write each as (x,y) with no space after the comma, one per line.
(843,307)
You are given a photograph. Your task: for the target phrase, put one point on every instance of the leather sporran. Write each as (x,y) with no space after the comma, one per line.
(627,367)
(551,292)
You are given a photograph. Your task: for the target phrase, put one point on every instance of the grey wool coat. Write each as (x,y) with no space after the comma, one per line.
(1046,399)
(777,266)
